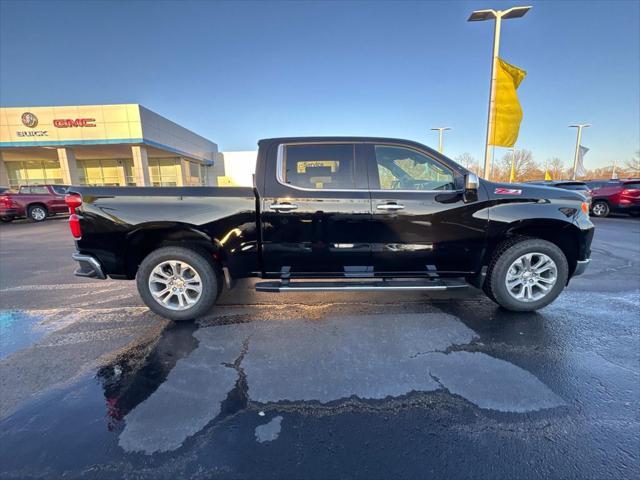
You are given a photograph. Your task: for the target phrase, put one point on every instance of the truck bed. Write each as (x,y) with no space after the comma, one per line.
(119,224)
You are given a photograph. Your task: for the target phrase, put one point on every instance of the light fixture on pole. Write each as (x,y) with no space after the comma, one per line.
(498,16)
(440,130)
(576,154)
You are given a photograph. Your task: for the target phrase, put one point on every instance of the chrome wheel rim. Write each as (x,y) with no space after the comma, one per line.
(38,214)
(599,209)
(531,277)
(175,285)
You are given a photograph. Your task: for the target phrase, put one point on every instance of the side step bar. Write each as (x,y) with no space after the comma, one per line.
(439,284)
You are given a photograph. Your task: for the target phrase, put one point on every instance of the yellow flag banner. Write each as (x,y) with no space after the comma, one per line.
(507,113)
(547,175)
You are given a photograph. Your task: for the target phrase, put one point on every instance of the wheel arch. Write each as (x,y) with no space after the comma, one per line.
(146,239)
(564,235)
(36,204)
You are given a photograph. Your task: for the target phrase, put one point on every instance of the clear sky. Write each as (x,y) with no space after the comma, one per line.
(236,72)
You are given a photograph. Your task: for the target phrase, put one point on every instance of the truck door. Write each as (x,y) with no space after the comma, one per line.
(421,225)
(316,210)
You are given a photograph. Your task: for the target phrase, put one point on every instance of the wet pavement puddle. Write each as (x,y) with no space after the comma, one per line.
(198,378)
(19,329)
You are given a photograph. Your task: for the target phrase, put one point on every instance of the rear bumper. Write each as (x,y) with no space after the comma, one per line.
(88,266)
(581,267)
(8,212)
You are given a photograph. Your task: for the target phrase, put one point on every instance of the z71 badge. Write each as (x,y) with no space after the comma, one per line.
(507,191)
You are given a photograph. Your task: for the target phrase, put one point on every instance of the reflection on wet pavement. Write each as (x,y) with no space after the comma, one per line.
(374,357)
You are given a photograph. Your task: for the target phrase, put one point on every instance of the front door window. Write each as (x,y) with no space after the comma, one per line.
(402,168)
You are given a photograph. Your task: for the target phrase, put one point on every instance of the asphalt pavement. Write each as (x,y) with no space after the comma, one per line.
(321,385)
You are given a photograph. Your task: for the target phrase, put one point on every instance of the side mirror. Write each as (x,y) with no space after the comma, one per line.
(471,182)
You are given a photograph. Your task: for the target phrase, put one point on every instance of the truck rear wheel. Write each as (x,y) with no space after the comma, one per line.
(526,274)
(37,213)
(178,283)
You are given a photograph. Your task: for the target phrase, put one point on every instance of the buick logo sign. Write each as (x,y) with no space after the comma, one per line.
(29,120)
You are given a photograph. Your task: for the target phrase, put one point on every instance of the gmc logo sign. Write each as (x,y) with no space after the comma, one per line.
(70,123)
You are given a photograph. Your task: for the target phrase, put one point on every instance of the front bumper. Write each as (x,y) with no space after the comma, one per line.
(581,267)
(88,266)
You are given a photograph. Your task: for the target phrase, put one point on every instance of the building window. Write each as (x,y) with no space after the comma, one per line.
(164,172)
(195,174)
(33,172)
(99,172)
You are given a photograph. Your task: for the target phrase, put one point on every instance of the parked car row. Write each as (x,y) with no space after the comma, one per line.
(604,196)
(36,202)
(615,196)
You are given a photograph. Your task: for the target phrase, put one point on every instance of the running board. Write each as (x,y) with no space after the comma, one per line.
(439,284)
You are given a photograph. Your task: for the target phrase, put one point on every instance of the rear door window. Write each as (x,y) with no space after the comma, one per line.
(60,190)
(632,186)
(319,166)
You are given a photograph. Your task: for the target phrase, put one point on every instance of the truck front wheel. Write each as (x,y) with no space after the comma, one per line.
(526,274)
(178,283)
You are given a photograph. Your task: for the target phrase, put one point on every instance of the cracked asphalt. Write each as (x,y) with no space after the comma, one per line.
(401,385)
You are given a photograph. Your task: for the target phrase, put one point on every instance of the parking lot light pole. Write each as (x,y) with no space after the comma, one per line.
(498,16)
(576,154)
(440,130)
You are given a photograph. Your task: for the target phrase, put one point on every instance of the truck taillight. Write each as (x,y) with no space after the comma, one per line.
(6,202)
(73,201)
(74,225)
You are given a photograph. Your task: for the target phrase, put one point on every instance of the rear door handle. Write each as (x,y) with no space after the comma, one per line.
(390,207)
(283,207)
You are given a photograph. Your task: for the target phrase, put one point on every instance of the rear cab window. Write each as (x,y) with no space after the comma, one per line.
(632,186)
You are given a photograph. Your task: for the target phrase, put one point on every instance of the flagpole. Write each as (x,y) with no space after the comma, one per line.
(576,154)
(512,173)
(613,170)
(498,15)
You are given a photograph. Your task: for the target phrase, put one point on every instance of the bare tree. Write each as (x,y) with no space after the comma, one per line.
(465,159)
(469,162)
(556,168)
(632,166)
(524,166)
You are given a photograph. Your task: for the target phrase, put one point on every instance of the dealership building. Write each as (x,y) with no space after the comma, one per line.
(103,145)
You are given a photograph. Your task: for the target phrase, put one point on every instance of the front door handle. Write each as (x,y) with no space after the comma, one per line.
(390,207)
(283,207)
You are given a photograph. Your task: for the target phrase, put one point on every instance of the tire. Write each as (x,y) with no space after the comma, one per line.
(37,213)
(600,209)
(506,262)
(169,305)
(6,219)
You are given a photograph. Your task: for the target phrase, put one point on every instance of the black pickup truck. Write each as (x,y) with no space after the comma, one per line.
(339,214)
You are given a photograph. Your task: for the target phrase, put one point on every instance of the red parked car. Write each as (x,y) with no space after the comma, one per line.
(615,196)
(33,201)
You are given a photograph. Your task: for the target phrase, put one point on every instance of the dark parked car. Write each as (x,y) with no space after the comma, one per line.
(33,201)
(335,214)
(577,186)
(615,196)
